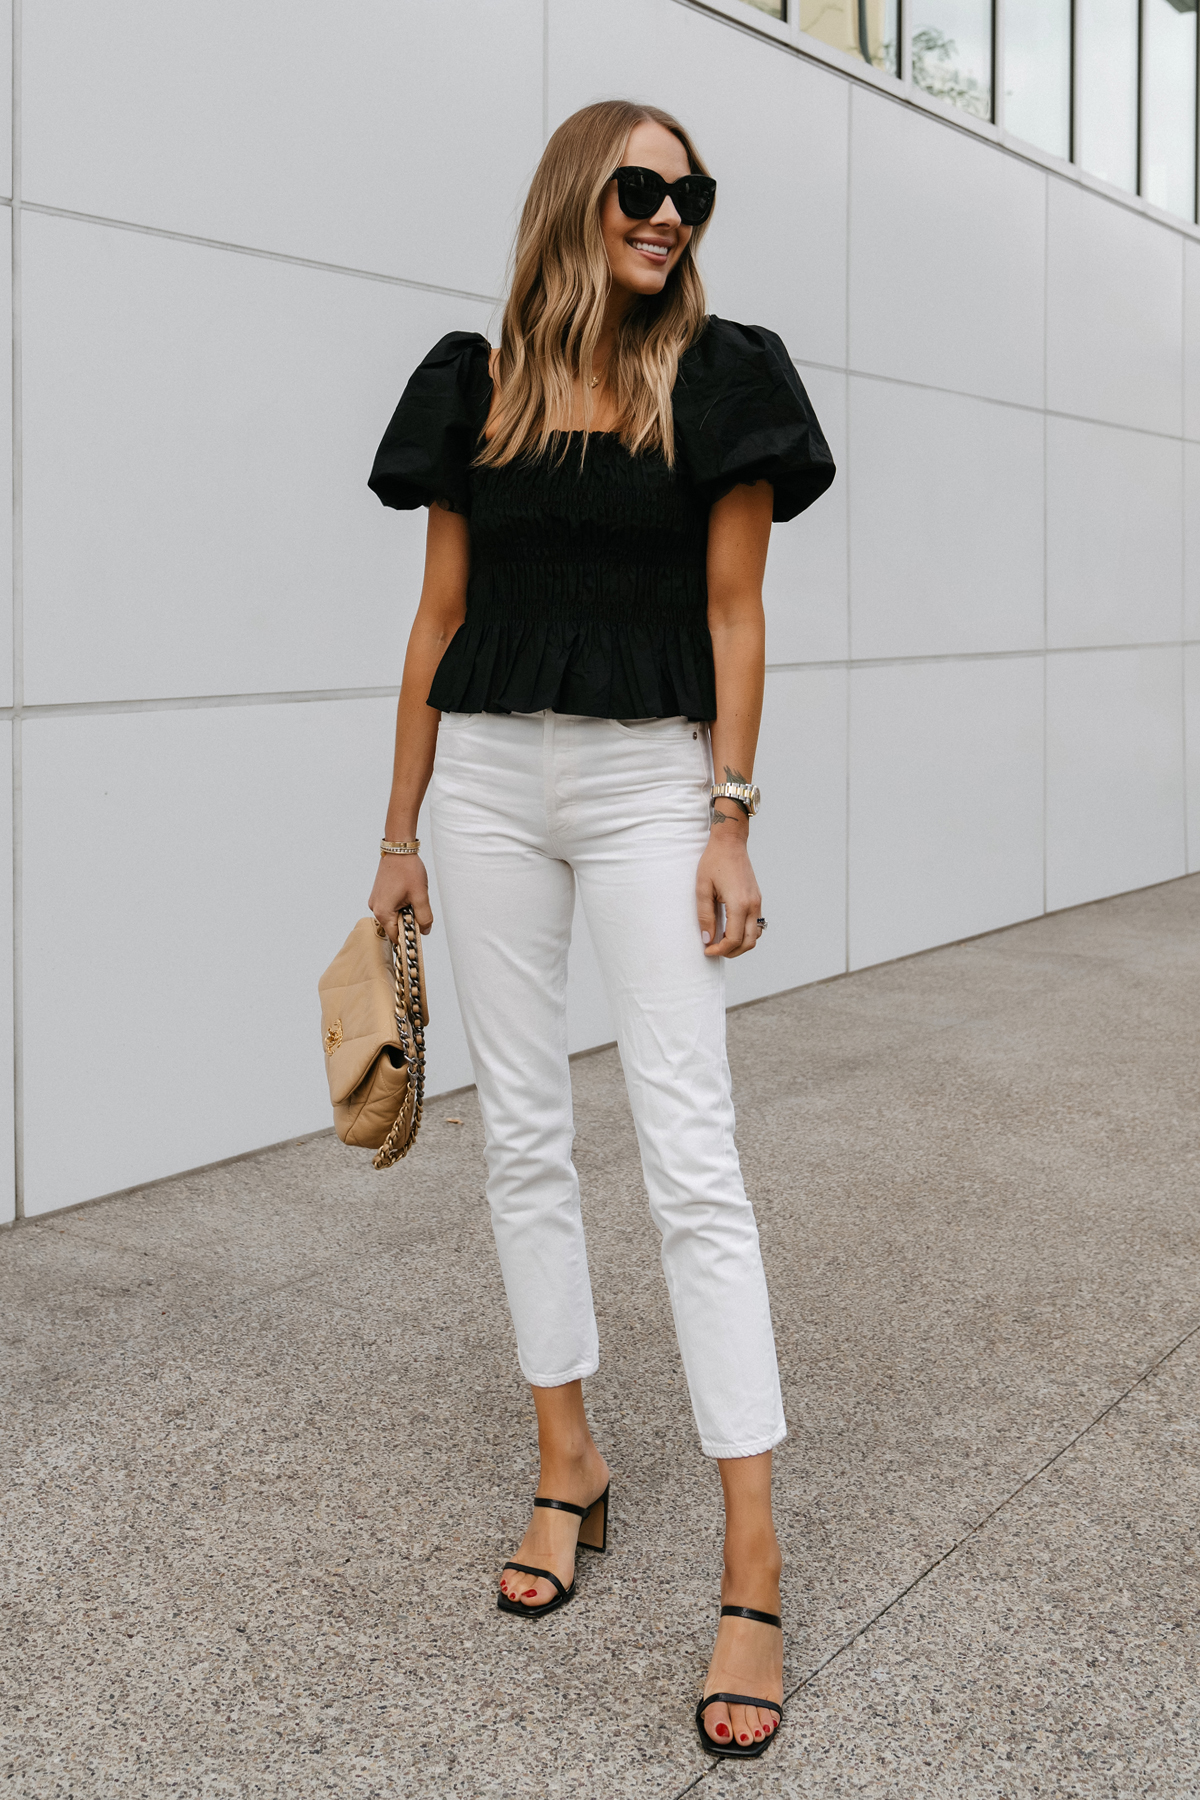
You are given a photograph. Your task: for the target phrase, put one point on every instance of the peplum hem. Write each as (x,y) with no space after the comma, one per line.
(595,669)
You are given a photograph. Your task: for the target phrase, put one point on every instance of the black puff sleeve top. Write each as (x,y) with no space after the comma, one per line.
(587,592)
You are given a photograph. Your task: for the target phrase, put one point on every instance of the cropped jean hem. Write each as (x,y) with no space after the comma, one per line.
(579,1373)
(728,1452)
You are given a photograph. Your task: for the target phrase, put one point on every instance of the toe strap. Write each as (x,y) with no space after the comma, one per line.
(738,1700)
(546,1575)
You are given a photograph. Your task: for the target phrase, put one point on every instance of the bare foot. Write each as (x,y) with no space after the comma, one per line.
(551,1538)
(747,1657)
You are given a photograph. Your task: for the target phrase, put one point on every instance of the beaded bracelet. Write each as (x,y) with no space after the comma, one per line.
(409,847)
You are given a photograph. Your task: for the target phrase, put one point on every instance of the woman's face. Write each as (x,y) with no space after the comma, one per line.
(642,252)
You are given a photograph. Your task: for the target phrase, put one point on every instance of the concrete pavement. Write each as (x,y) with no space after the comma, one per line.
(265,1442)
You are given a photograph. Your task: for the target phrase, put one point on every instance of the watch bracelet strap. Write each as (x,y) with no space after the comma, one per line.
(721,790)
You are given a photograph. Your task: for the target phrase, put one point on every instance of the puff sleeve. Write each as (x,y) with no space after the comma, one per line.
(428,447)
(742,415)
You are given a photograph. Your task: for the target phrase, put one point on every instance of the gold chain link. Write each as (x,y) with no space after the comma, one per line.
(412,1043)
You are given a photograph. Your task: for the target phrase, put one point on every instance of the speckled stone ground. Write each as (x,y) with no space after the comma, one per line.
(264,1440)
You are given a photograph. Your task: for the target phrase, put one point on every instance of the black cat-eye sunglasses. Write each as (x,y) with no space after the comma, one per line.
(640,193)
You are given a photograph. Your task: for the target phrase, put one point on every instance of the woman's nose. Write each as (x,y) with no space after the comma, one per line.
(666,214)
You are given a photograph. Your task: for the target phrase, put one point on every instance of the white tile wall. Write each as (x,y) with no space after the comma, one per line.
(6,467)
(1191,664)
(1191,540)
(229,851)
(6,89)
(946,523)
(199,424)
(946,256)
(381,136)
(1114,535)
(1114,313)
(199,428)
(805,591)
(7,1182)
(945,802)
(1114,772)
(771,129)
(798,841)
(1191,338)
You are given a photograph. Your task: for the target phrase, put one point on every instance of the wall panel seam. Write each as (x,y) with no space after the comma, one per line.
(281,256)
(71,709)
(1024,406)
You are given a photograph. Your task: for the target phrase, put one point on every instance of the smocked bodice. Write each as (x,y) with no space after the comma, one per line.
(587,589)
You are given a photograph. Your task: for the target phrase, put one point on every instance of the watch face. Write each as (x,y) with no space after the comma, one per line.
(755,797)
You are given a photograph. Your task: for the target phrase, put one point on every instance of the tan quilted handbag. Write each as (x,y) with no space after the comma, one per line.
(373,1018)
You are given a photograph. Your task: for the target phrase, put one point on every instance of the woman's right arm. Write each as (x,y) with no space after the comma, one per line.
(401,880)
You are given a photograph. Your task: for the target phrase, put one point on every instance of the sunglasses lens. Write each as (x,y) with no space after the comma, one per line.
(694,197)
(640,192)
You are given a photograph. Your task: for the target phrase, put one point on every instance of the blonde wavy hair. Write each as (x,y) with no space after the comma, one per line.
(560,282)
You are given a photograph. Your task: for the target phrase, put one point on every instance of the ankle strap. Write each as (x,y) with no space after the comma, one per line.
(748,1612)
(565,1506)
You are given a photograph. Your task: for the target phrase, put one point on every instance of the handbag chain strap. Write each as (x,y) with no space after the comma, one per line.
(412,1041)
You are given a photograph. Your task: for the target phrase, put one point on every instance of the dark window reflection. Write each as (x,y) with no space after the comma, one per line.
(1037,73)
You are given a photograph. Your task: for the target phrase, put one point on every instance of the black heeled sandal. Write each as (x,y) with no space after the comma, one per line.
(589,1523)
(713,1746)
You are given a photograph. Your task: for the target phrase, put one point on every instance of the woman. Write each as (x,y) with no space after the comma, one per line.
(590,631)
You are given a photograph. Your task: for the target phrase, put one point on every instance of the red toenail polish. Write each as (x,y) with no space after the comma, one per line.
(745,1738)
(529,1594)
(722,1731)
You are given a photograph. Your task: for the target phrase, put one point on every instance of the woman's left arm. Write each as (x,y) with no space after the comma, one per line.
(739,528)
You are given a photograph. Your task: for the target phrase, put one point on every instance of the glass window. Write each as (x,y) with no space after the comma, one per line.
(1106,94)
(777,9)
(952,52)
(1037,73)
(1169,105)
(866,28)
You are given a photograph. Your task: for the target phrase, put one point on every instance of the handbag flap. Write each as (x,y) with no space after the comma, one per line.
(358,1008)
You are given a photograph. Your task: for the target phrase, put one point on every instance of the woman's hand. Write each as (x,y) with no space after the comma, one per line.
(726,878)
(400,881)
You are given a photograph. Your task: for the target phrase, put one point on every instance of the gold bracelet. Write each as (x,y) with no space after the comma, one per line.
(409,847)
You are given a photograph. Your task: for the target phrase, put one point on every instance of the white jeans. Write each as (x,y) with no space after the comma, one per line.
(525,806)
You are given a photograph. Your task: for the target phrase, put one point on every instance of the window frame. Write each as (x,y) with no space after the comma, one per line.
(786,35)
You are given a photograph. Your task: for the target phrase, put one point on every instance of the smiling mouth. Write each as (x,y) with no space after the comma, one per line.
(650,248)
